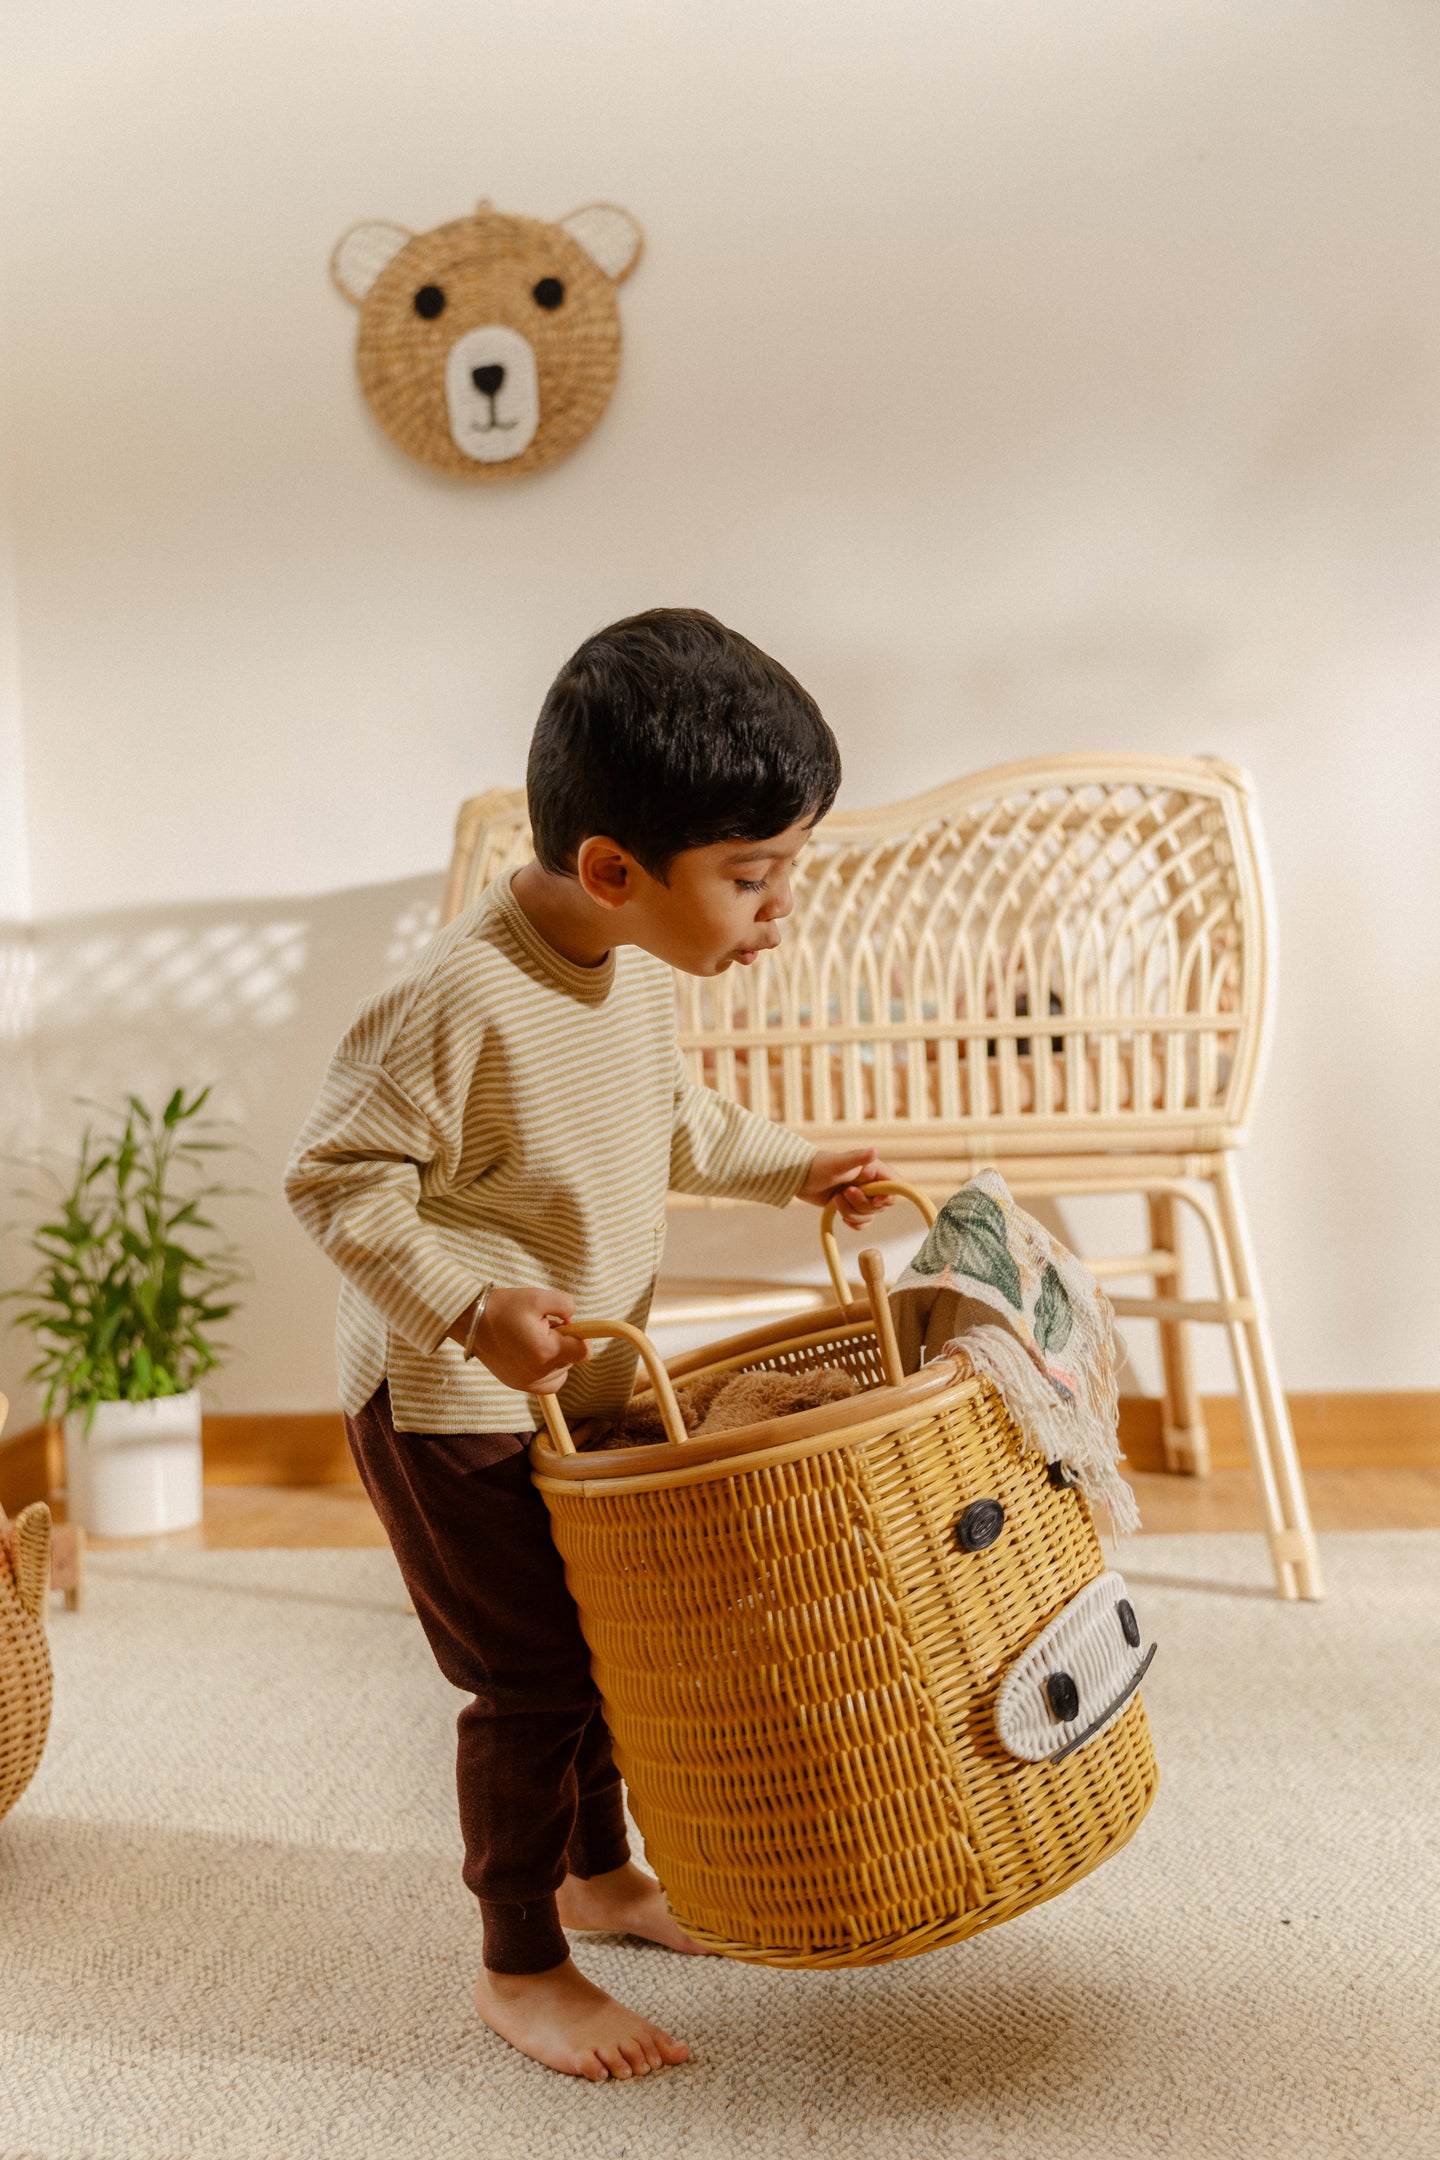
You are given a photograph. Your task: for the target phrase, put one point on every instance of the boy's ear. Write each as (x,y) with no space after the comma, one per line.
(606,871)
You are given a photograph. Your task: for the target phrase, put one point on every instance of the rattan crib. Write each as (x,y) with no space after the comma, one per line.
(800,1651)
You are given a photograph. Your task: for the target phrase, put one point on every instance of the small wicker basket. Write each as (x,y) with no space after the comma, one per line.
(800,1663)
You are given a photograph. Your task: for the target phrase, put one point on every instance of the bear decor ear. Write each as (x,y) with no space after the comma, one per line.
(610,237)
(363,254)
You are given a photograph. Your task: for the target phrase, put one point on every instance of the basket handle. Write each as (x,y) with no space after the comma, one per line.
(660,1380)
(830,1244)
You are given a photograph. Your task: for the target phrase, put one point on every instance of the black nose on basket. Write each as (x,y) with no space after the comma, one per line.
(487,379)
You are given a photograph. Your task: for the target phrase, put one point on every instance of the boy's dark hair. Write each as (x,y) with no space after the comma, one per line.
(668,731)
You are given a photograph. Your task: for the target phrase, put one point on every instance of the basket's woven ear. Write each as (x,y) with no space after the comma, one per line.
(1052,1354)
(26,1686)
(30,1539)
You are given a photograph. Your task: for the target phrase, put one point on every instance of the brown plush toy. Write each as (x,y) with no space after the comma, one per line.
(719,1402)
(490,346)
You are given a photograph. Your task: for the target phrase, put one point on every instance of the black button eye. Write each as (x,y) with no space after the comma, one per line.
(1063,1697)
(1129,1625)
(429,302)
(1062,1477)
(980,1525)
(548,293)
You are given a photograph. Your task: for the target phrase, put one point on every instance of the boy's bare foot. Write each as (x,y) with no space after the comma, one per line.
(563,2020)
(626,1901)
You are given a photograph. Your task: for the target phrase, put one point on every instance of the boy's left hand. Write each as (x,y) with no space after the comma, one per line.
(838,1175)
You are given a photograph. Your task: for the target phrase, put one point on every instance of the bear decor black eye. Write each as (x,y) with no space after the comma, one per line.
(548,293)
(429,302)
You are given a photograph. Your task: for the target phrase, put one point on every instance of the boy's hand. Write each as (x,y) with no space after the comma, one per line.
(838,1176)
(522,1339)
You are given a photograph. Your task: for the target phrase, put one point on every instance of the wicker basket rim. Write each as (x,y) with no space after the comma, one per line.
(741,1349)
(745,1447)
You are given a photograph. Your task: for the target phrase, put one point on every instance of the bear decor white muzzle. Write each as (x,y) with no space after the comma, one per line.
(1076,1677)
(492,393)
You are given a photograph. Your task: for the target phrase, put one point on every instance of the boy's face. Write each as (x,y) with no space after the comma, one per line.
(718,906)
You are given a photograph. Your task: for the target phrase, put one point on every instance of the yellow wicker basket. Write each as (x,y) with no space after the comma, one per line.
(799,1650)
(25,1682)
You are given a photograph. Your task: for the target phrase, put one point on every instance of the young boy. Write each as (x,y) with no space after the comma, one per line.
(490,1156)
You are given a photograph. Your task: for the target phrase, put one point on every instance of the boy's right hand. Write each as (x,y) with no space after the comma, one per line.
(522,1339)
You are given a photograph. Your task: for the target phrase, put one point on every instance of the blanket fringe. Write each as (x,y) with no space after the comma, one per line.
(1049,1424)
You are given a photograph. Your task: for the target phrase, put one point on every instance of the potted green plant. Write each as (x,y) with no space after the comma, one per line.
(131,1283)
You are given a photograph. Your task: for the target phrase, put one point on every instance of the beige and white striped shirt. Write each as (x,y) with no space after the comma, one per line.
(502,1114)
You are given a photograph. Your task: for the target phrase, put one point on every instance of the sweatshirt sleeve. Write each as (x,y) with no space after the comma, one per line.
(392,1106)
(720,1150)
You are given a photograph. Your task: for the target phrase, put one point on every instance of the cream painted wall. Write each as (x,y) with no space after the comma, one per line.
(19,1103)
(1026,378)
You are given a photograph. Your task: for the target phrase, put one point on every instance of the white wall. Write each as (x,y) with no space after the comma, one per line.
(19,1102)
(14,825)
(1051,376)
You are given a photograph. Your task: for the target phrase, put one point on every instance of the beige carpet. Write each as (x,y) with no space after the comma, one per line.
(231,1922)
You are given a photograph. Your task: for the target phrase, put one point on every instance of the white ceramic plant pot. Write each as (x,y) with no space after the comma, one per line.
(136,1472)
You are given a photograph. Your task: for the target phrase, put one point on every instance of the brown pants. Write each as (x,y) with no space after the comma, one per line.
(539,1792)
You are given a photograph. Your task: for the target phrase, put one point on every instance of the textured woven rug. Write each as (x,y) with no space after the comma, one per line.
(231,1922)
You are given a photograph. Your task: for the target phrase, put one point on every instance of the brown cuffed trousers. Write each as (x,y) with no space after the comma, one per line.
(539,1792)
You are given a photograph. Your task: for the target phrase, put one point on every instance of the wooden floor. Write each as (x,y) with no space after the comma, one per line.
(1349,1499)
(340,1515)
(248,1515)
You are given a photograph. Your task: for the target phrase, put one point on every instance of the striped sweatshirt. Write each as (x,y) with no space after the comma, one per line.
(503,1115)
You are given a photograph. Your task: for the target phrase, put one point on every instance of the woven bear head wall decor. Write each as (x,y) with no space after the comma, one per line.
(490,346)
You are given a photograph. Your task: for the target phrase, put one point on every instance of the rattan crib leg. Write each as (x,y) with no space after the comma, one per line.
(1257,1439)
(1184,1437)
(1292,1545)
(67,1564)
